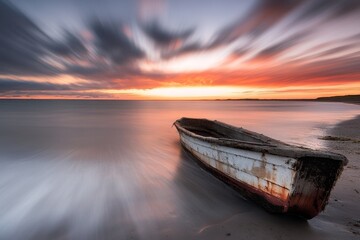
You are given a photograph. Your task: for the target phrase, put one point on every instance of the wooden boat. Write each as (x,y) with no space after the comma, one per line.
(280,177)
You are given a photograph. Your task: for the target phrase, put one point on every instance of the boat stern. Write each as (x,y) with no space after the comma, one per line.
(313,184)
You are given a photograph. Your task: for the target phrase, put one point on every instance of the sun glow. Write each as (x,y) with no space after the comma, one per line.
(186,63)
(228,92)
(193,92)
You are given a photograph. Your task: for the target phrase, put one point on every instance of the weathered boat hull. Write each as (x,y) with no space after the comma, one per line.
(280,183)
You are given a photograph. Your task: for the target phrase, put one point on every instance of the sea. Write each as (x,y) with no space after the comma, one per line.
(116,170)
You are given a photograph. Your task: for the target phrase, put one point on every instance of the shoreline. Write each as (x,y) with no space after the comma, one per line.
(351,99)
(343,203)
(339,220)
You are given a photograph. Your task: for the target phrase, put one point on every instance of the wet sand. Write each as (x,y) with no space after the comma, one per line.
(340,220)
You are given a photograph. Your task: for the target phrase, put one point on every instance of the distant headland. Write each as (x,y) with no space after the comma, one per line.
(346,99)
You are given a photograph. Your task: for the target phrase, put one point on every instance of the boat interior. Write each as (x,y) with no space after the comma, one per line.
(207,128)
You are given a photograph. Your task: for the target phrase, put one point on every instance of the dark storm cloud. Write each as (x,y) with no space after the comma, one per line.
(12,85)
(173,43)
(114,54)
(265,14)
(26,49)
(334,8)
(70,46)
(21,44)
(78,70)
(111,42)
(346,6)
(261,18)
(165,38)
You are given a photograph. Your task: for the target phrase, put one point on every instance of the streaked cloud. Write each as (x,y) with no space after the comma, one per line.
(23,44)
(169,43)
(274,43)
(7,85)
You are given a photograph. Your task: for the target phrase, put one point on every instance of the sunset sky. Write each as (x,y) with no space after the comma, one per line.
(179,49)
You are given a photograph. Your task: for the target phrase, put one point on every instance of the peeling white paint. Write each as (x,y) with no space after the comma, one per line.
(269,173)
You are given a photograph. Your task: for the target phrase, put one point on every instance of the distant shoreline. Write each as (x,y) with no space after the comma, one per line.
(352,99)
(355,99)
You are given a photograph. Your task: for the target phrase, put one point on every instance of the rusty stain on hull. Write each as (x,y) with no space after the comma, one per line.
(276,183)
(280,177)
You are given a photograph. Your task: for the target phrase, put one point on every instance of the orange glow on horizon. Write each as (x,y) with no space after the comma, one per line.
(234,92)
(192,92)
(204,93)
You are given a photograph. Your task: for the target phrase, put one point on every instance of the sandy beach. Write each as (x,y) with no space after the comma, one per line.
(341,218)
(344,202)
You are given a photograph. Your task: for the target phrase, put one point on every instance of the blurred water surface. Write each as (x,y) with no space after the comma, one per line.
(115,169)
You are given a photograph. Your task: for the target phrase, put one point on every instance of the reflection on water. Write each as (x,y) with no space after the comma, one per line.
(107,169)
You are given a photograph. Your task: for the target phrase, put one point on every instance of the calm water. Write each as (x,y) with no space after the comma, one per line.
(114,170)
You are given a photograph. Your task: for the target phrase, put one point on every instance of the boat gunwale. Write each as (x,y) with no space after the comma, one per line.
(269,145)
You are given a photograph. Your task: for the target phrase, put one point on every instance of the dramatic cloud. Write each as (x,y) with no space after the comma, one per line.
(70,46)
(274,43)
(333,8)
(27,50)
(280,47)
(164,38)
(189,48)
(15,85)
(265,14)
(22,44)
(113,54)
(169,43)
(111,42)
